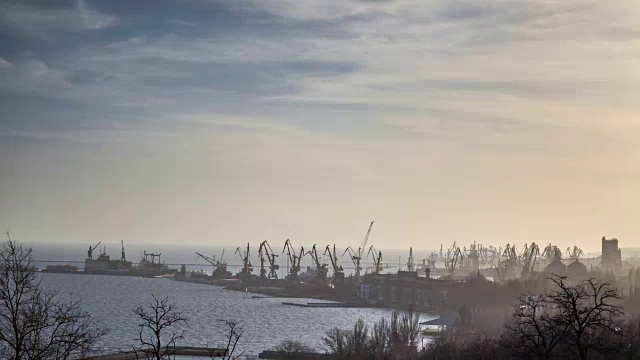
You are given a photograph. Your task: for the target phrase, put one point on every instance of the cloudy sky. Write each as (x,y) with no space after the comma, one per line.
(222,122)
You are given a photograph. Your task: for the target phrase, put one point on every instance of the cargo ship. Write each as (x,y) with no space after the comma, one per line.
(147,267)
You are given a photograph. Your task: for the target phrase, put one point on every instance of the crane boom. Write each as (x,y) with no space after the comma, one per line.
(364,242)
(91,249)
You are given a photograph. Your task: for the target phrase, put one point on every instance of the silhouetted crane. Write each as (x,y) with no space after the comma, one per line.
(338,272)
(246,263)
(456,258)
(356,256)
(122,255)
(321,269)
(377,261)
(575,254)
(91,249)
(529,259)
(294,260)
(266,249)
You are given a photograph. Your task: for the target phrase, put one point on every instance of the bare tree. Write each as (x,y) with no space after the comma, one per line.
(588,310)
(293,350)
(534,331)
(578,319)
(33,323)
(232,337)
(292,346)
(157,343)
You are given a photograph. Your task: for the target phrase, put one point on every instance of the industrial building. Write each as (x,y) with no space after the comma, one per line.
(611,260)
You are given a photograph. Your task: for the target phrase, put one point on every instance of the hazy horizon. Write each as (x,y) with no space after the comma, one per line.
(218,122)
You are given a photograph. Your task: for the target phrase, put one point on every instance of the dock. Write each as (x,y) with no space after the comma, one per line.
(325,305)
(211,353)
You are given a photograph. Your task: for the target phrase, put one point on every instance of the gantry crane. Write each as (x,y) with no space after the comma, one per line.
(91,249)
(356,256)
(246,263)
(294,260)
(265,249)
(377,261)
(153,257)
(338,272)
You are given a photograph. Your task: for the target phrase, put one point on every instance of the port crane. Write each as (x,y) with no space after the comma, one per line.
(549,252)
(473,256)
(217,264)
(153,257)
(294,260)
(506,268)
(411,265)
(356,256)
(321,269)
(92,249)
(451,251)
(530,256)
(377,261)
(122,255)
(338,272)
(246,263)
(265,249)
(575,254)
(456,258)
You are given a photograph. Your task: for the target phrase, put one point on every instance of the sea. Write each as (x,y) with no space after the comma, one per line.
(266,320)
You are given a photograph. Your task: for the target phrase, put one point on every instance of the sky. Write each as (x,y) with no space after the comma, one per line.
(226,122)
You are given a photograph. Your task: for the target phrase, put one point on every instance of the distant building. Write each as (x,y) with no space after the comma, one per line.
(405,289)
(556,267)
(611,260)
(577,270)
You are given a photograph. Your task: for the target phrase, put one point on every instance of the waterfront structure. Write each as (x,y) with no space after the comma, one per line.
(404,289)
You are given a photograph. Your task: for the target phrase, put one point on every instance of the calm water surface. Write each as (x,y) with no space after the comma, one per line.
(111,299)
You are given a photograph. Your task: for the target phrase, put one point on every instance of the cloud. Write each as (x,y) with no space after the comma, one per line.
(46,23)
(33,76)
(526,60)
